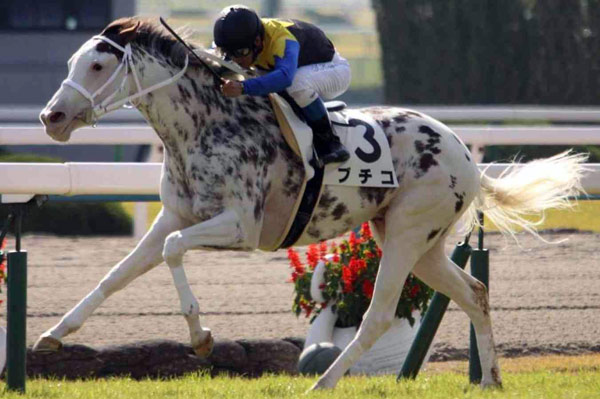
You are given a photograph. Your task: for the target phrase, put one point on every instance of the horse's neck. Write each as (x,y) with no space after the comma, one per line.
(171,110)
(192,117)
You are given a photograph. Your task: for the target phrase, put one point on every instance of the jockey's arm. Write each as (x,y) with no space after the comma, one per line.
(280,77)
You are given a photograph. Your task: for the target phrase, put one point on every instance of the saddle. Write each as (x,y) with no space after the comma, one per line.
(297,134)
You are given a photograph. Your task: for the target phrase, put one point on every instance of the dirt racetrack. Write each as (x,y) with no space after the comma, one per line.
(545,298)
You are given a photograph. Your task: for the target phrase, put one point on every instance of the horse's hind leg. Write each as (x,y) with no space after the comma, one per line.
(441,274)
(408,235)
(145,256)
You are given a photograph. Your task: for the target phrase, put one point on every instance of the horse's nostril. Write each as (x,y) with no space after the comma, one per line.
(56,117)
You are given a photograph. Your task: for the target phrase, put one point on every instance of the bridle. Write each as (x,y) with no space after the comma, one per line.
(127,64)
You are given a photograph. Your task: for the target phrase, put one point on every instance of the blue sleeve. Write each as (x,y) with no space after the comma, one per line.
(280,77)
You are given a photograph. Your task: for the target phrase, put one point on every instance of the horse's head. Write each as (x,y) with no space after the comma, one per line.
(96,80)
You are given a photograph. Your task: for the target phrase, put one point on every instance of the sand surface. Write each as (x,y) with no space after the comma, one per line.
(544,297)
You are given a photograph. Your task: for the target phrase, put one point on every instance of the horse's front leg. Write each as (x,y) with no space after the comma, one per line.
(145,256)
(223,231)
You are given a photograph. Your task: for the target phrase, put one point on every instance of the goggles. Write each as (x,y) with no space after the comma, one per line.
(238,53)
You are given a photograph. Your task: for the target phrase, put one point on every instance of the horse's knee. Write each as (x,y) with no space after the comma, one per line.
(173,249)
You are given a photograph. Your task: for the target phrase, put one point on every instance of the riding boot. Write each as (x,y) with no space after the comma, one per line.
(327,145)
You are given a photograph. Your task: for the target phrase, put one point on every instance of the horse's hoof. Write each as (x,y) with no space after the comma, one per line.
(47,343)
(204,349)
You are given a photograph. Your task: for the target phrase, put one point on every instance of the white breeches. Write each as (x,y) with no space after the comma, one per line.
(327,80)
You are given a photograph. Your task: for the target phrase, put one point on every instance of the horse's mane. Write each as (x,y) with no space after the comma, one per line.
(153,37)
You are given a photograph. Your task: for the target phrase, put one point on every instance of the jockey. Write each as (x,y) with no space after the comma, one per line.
(299,58)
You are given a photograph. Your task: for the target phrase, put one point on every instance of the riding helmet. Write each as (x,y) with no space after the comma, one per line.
(237,27)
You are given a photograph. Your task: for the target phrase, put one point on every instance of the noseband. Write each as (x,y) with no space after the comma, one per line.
(127,64)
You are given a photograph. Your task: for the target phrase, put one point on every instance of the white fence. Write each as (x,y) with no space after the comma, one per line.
(143,178)
(123,178)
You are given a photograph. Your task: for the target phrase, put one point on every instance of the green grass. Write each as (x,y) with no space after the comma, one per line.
(539,384)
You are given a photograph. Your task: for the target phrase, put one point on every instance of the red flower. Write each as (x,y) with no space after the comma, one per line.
(353,241)
(348,277)
(379,253)
(295,261)
(335,258)
(367,288)
(365,231)
(312,256)
(322,249)
(357,265)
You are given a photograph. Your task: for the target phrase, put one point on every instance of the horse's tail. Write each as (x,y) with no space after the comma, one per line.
(528,190)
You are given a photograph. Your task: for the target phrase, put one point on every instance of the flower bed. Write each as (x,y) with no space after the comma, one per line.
(336,287)
(348,281)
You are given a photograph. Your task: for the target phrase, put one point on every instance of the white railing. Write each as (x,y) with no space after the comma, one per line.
(122,178)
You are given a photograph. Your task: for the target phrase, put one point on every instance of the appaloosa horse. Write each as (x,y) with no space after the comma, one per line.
(229,181)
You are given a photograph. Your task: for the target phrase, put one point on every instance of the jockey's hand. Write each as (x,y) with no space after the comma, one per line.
(232,88)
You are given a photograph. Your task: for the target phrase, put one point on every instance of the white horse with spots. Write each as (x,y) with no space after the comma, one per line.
(230,181)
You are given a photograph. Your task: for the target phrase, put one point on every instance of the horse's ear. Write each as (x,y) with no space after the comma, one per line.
(129,33)
(122,30)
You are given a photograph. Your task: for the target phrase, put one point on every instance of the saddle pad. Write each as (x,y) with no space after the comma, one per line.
(370,163)
(295,132)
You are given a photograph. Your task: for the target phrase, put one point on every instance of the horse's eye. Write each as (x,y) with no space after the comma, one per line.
(97,67)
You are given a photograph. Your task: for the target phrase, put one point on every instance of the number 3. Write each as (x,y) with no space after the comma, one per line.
(369,136)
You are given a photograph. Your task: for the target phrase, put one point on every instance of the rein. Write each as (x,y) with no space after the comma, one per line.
(126,63)
(227,64)
(219,79)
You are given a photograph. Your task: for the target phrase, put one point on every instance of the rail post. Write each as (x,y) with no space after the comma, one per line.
(16,334)
(17,310)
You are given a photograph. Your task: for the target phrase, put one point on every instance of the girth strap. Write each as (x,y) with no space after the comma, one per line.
(310,197)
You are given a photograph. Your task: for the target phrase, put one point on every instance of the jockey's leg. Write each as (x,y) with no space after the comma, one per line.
(326,143)
(311,83)
(145,256)
(222,231)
